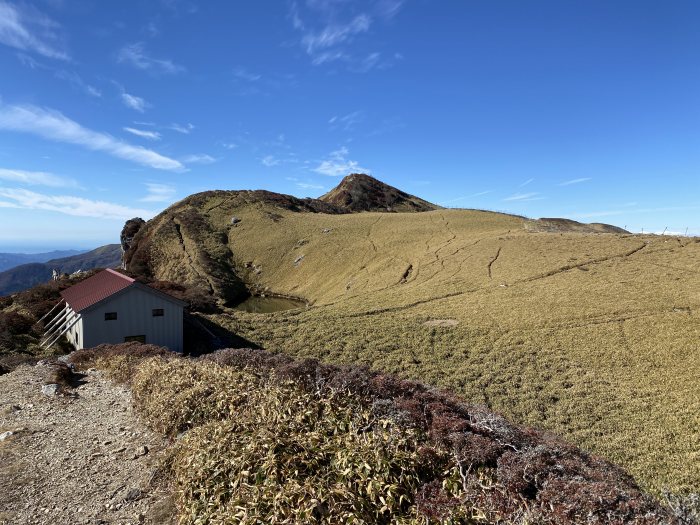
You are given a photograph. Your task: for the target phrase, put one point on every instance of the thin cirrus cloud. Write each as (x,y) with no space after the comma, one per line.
(328,30)
(478,194)
(309,186)
(69,205)
(37,178)
(134,102)
(270,161)
(198,158)
(144,134)
(53,125)
(331,36)
(185,129)
(71,77)
(136,56)
(159,193)
(30,30)
(574,181)
(524,197)
(346,122)
(242,73)
(337,164)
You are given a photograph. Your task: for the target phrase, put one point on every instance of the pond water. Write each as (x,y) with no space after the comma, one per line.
(257,304)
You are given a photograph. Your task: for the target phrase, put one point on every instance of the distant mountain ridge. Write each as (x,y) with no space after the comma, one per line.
(27,275)
(10,260)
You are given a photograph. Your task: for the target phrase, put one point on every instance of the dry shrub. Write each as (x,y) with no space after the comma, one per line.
(56,372)
(289,456)
(175,395)
(11,361)
(13,324)
(510,473)
(118,361)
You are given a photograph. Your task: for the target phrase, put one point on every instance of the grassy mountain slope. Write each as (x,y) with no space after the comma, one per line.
(592,336)
(27,275)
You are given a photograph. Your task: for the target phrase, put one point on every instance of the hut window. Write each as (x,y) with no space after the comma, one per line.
(158,312)
(110,316)
(136,338)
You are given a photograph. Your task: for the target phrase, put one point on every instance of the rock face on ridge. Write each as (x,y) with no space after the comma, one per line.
(129,231)
(360,192)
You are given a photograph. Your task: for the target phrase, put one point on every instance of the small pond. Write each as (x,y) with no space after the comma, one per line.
(268,304)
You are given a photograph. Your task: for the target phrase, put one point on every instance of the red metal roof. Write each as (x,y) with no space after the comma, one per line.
(95,289)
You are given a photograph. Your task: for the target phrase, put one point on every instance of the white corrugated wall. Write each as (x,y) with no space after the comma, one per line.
(134,308)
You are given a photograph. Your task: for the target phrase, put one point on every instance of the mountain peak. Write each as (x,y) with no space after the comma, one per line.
(362,192)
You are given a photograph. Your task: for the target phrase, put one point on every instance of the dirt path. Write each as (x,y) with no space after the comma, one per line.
(80,459)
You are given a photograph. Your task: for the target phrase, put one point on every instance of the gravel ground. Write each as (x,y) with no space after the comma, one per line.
(80,457)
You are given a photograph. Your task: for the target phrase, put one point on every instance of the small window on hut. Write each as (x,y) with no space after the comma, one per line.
(158,312)
(110,316)
(136,338)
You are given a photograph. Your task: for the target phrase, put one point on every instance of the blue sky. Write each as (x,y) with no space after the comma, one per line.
(583,109)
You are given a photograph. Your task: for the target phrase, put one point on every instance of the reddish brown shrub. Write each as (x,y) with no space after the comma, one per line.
(58,372)
(534,476)
(14,323)
(434,503)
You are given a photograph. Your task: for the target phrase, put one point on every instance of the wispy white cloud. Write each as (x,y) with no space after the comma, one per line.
(70,205)
(53,125)
(333,35)
(574,181)
(309,186)
(185,129)
(528,181)
(182,128)
(532,196)
(30,30)
(159,193)
(368,62)
(229,145)
(135,55)
(346,122)
(270,161)
(328,29)
(71,77)
(37,178)
(242,73)
(151,29)
(134,102)
(478,194)
(150,135)
(198,158)
(77,82)
(337,164)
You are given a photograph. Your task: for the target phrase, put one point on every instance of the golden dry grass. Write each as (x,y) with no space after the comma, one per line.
(594,337)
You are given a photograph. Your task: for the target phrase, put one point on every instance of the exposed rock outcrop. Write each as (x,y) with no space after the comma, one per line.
(360,192)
